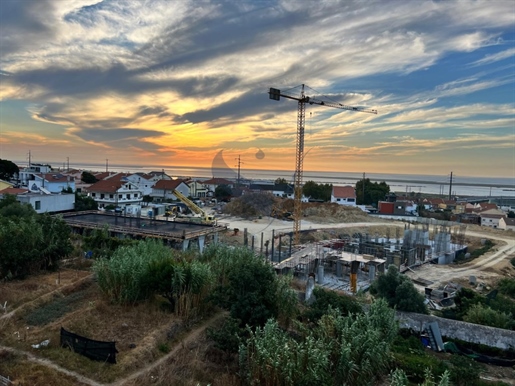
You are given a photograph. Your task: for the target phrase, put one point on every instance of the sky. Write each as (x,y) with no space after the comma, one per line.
(174,83)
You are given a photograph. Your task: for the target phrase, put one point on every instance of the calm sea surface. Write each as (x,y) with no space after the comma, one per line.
(403,183)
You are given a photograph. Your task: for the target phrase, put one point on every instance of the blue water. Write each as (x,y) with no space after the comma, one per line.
(401,183)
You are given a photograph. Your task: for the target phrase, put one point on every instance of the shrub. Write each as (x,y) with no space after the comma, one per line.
(507,286)
(484,315)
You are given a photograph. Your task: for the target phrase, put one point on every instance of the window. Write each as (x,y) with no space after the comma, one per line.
(128,196)
(102,196)
(111,196)
(37,205)
(119,196)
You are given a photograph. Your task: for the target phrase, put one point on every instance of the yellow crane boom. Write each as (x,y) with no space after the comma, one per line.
(276,94)
(194,207)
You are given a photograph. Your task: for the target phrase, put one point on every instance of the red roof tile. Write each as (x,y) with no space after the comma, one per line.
(14,191)
(168,184)
(344,191)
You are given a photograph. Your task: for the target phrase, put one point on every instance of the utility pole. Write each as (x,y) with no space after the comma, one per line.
(107,167)
(450,187)
(363,189)
(67,164)
(239,166)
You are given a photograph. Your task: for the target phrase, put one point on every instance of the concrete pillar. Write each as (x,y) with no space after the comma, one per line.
(185,244)
(371,272)
(310,286)
(280,239)
(272,257)
(320,271)
(339,268)
(201,242)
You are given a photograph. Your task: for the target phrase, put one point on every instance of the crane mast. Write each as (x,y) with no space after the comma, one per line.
(275,94)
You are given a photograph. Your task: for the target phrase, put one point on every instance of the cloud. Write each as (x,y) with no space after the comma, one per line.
(492,58)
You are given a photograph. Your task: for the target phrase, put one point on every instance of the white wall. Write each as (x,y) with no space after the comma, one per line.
(48,202)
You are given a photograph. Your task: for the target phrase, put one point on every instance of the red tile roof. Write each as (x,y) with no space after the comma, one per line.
(54,177)
(14,191)
(168,184)
(109,185)
(344,191)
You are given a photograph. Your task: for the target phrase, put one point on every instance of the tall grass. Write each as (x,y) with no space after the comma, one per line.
(122,277)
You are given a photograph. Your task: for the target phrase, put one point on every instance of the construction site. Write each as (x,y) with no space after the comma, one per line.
(352,263)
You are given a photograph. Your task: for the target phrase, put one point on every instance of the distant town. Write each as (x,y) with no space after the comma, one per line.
(157,194)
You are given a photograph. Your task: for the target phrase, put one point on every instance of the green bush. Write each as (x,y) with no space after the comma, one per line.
(464,371)
(325,298)
(507,287)
(484,315)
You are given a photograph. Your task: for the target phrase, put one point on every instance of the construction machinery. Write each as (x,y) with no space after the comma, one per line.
(197,211)
(276,94)
(281,214)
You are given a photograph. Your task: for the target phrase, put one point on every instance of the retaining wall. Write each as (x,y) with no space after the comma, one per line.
(468,332)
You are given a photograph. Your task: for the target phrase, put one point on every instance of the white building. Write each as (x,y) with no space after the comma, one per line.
(490,218)
(143,181)
(51,182)
(344,195)
(43,202)
(163,190)
(115,190)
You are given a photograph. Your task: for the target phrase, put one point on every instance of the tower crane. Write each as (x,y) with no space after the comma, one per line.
(276,94)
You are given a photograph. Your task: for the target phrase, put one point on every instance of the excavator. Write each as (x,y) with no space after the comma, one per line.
(197,211)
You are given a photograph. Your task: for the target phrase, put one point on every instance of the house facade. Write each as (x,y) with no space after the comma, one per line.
(115,190)
(197,189)
(344,195)
(162,191)
(491,217)
(51,182)
(507,224)
(42,202)
(143,181)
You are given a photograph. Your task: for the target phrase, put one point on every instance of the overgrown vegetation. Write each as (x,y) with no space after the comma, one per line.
(54,309)
(399,292)
(352,350)
(316,191)
(29,241)
(369,193)
(493,309)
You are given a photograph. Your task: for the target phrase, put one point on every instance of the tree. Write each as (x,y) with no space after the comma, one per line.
(88,178)
(326,299)
(280,181)
(374,192)
(147,199)
(10,207)
(247,285)
(223,192)
(84,203)
(511,214)
(484,315)
(398,290)
(8,169)
(56,236)
(317,191)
